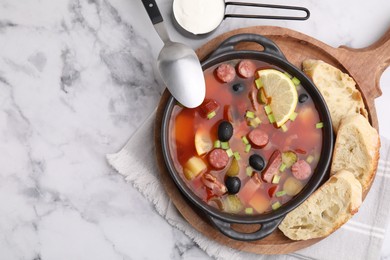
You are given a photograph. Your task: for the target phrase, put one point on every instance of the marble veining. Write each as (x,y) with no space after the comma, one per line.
(77,78)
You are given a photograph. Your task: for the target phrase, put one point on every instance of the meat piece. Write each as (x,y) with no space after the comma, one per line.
(216,188)
(249,188)
(272,167)
(301,170)
(218,158)
(246,68)
(257,179)
(226,72)
(258,138)
(208,106)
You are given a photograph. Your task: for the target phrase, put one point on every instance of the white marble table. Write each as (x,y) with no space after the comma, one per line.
(77,78)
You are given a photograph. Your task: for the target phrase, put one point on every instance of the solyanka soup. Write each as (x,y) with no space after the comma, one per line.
(253,144)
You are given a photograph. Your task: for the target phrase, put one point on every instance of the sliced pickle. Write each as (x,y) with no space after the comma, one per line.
(233,204)
(234,168)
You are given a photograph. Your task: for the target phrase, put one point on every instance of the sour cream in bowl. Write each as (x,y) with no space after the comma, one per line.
(198,17)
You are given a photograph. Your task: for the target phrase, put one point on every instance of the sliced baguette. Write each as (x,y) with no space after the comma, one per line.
(337,88)
(356,149)
(326,209)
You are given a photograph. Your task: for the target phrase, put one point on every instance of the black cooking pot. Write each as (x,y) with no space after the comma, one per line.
(269,221)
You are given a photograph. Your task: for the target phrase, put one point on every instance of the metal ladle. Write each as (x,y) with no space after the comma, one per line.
(178,64)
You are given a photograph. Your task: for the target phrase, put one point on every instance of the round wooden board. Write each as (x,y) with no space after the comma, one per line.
(296,47)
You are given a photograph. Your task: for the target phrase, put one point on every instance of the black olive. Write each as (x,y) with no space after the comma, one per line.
(238,87)
(225,131)
(302,98)
(233,184)
(256,162)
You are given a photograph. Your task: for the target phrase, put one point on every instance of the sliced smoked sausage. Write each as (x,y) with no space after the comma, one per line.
(246,68)
(301,170)
(226,72)
(258,138)
(272,167)
(218,159)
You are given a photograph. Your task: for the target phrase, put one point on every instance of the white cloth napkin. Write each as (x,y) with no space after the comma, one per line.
(359,238)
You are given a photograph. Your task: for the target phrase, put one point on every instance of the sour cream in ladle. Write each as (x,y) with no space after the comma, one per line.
(199,16)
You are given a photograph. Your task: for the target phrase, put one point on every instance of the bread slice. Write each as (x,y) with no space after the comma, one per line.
(356,149)
(337,88)
(326,209)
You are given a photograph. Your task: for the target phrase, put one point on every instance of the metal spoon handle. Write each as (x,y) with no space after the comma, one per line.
(153,11)
(156,18)
(283,7)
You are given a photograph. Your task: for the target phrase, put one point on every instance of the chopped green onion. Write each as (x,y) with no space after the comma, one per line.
(245,140)
(296,81)
(271,118)
(320,125)
(258,83)
(255,122)
(284,128)
(249,171)
(282,167)
(276,179)
(280,193)
(288,75)
(310,159)
(293,116)
(267,109)
(211,114)
(217,144)
(250,114)
(229,152)
(237,156)
(249,211)
(225,145)
(248,148)
(276,205)
(261,97)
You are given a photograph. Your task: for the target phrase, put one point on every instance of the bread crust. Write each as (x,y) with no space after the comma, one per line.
(355,132)
(338,89)
(320,215)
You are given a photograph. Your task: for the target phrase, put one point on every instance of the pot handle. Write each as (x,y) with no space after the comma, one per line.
(264,230)
(229,44)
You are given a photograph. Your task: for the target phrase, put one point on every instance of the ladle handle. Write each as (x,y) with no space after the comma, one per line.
(156,18)
(153,11)
(283,7)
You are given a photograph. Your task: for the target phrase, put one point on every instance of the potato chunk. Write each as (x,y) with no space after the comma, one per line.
(193,167)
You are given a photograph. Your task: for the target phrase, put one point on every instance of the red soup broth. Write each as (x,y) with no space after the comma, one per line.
(301,138)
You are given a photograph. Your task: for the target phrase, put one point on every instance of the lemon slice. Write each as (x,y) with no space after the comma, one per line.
(203,143)
(281,92)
